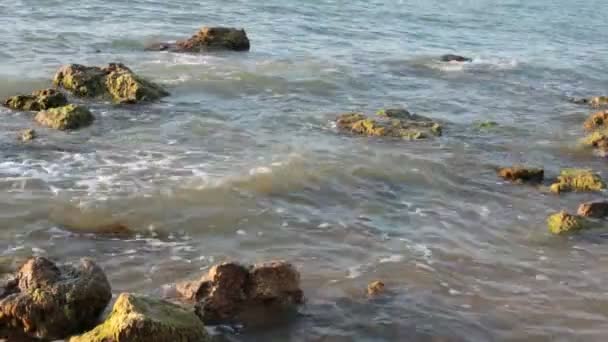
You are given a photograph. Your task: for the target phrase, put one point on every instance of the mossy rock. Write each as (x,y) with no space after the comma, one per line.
(577,180)
(521,174)
(38,100)
(595,102)
(136,318)
(66,117)
(412,128)
(27,135)
(126,87)
(81,80)
(596,121)
(563,222)
(213,38)
(596,139)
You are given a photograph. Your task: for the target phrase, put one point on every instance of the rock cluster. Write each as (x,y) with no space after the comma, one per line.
(396,123)
(39,100)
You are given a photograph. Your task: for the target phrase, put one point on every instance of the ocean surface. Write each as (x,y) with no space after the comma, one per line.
(243,161)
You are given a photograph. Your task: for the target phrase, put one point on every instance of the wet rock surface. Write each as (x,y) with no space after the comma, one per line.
(27,135)
(38,100)
(577,180)
(137,318)
(598,120)
(229,289)
(375,288)
(65,118)
(522,174)
(595,101)
(47,301)
(593,209)
(396,123)
(454,58)
(563,222)
(208,39)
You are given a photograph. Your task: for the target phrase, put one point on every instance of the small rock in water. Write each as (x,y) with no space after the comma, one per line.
(563,222)
(65,118)
(208,39)
(595,101)
(596,121)
(486,124)
(593,209)
(522,174)
(375,288)
(27,135)
(410,127)
(577,180)
(38,100)
(455,58)
(136,318)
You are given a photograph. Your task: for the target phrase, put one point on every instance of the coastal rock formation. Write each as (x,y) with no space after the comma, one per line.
(397,123)
(137,318)
(52,302)
(597,139)
(454,58)
(595,102)
(230,288)
(593,209)
(375,288)
(114,80)
(596,121)
(521,174)
(563,222)
(27,135)
(208,39)
(38,100)
(577,180)
(66,117)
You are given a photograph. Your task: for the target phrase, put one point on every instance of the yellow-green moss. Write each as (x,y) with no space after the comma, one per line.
(66,117)
(563,222)
(125,87)
(599,101)
(577,180)
(417,127)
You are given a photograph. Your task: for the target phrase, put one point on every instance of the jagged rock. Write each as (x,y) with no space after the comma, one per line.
(207,39)
(27,135)
(563,222)
(114,80)
(52,302)
(577,180)
(375,288)
(136,318)
(596,121)
(522,174)
(595,102)
(38,100)
(593,209)
(413,127)
(66,117)
(229,289)
(455,58)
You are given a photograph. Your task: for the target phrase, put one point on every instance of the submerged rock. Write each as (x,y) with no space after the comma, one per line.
(229,289)
(27,135)
(114,80)
(577,180)
(208,39)
(136,318)
(596,121)
(522,174)
(563,222)
(52,302)
(596,101)
(455,58)
(597,139)
(38,100)
(486,124)
(593,209)
(408,126)
(66,117)
(375,288)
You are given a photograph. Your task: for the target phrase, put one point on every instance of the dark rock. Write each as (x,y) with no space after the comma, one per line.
(208,39)
(521,174)
(53,302)
(455,58)
(593,209)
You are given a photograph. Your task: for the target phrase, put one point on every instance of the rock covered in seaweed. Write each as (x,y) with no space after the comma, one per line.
(38,100)
(577,180)
(563,222)
(136,318)
(229,289)
(522,174)
(52,302)
(397,123)
(115,80)
(66,117)
(596,121)
(27,135)
(593,209)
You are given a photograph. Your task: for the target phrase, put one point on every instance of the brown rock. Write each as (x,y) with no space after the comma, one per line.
(38,100)
(596,121)
(215,38)
(65,118)
(52,302)
(27,135)
(593,209)
(521,174)
(375,288)
(276,281)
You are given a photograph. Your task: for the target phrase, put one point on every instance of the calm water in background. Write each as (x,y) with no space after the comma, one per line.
(242,161)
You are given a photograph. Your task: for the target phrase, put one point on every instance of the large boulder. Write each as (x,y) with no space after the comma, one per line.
(52,302)
(521,174)
(38,100)
(229,289)
(136,318)
(563,222)
(66,117)
(578,180)
(115,81)
(208,39)
(396,123)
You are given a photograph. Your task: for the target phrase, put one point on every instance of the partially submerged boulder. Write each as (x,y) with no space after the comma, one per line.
(27,135)
(454,58)
(375,288)
(563,222)
(66,117)
(593,209)
(577,180)
(486,124)
(136,318)
(52,302)
(595,102)
(115,80)
(208,39)
(396,123)
(522,174)
(38,100)
(596,121)
(229,289)
(597,139)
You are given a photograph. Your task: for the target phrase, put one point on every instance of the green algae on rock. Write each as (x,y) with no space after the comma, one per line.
(522,174)
(577,180)
(66,117)
(563,222)
(136,318)
(114,80)
(408,126)
(27,135)
(47,301)
(38,100)
(598,120)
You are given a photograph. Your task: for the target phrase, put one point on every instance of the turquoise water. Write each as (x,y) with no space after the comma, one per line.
(243,160)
